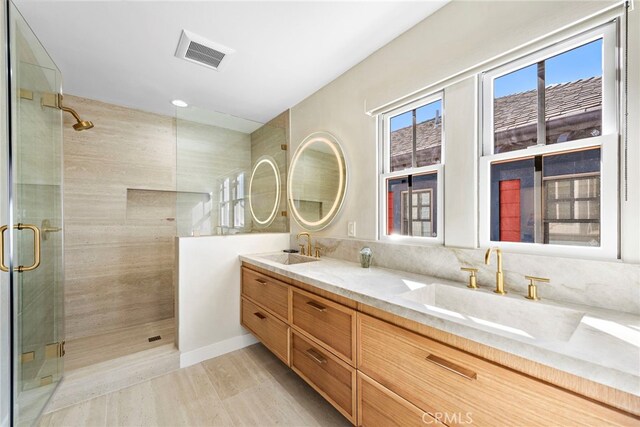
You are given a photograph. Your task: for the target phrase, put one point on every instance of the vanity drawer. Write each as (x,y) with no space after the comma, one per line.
(330,376)
(379,406)
(273,333)
(266,291)
(327,321)
(439,379)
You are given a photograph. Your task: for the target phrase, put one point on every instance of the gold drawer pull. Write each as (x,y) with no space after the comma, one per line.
(456,369)
(316,356)
(260,315)
(317,306)
(262,282)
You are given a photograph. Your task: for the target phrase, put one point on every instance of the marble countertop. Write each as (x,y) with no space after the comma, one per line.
(600,345)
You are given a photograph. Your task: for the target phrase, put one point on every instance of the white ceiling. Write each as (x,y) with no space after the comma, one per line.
(122,52)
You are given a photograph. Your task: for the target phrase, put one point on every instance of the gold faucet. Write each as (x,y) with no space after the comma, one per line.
(499,275)
(308,252)
(532,293)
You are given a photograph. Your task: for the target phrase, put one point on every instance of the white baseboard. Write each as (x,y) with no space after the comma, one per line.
(216,349)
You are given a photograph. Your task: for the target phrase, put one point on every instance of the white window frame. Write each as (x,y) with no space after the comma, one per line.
(384,125)
(608,142)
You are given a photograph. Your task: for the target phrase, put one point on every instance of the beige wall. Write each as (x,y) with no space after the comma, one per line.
(119,241)
(457,37)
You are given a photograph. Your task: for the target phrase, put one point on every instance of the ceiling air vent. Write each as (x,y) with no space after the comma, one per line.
(202,51)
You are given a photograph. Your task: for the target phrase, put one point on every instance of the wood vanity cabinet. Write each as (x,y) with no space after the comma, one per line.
(331,323)
(379,406)
(320,335)
(459,388)
(270,293)
(377,373)
(273,333)
(334,379)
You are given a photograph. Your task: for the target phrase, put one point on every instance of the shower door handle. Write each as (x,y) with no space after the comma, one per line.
(36,247)
(2,266)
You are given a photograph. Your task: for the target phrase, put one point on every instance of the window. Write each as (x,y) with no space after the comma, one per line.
(555,100)
(411,180)
(569,212)
(549,172)
(232,201)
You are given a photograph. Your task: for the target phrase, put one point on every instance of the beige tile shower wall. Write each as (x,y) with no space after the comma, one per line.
(119,244)
(267,140)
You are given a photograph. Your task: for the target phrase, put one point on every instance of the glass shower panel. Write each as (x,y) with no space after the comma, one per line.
(267,143)
(216,155)
(36,253)
(5,296)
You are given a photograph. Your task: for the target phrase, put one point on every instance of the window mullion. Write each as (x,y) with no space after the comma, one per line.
(410,202)
(414,160)
(542,126)
(538,202)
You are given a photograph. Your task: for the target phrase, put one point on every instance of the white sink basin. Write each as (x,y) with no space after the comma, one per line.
(289,259)
(497,313)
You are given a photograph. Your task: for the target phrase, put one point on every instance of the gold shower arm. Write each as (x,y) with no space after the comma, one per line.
(70,110)
(54,100)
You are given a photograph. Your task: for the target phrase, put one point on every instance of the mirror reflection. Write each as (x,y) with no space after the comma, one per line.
(264,191)
(317,181)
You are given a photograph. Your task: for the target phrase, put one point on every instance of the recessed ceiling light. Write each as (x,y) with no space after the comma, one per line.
(179,103)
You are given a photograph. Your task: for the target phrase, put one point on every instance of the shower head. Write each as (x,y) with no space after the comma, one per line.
(54,100)
(83,125)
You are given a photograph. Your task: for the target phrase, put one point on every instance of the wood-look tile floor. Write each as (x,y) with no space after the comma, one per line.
(248,387)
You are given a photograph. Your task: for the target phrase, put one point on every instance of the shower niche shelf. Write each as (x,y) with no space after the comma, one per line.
(145,206)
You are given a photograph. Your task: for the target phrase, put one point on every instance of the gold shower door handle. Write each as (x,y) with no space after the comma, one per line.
(36,247)
(2,266)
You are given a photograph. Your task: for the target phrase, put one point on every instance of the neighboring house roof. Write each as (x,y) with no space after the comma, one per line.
(428,134)
(512,111)
(562,100)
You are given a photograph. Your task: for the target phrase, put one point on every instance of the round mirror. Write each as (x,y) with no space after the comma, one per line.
(264,191)
(317,181)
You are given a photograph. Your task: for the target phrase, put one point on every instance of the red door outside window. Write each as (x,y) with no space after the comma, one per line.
(510,210)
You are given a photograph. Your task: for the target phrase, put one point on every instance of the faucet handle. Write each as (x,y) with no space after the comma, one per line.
(473,277)
(302,250)
(316,250)
(532,291)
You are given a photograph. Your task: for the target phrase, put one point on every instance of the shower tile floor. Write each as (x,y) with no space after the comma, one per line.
(86,351)
(247,387)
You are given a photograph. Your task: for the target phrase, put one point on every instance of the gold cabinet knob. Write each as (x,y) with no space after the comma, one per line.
(473,277)
(532,289)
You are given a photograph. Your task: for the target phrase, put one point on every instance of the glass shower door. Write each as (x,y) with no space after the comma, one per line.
(36,223)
